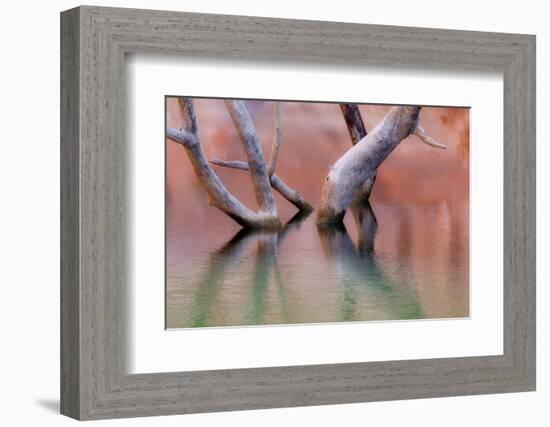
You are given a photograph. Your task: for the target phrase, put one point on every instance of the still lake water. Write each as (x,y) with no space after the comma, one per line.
(404,256)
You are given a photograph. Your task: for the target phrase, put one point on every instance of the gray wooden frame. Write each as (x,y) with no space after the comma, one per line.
(94,41)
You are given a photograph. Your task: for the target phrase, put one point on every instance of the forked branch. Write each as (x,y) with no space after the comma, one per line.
(360,163)
(277,183)
(254,155)
(218,195)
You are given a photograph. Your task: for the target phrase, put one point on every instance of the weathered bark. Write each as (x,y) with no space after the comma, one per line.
(357,132)
(361,161)
(188,115)
(277,183)
(354,122)
(276,140)
(254,155)
(426,139)
(218,195)
(293,196)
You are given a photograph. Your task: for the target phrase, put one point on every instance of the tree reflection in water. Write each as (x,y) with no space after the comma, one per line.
(357,268)
(265,263)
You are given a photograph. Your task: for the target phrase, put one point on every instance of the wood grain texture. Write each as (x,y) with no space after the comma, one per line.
(70,292)
(357,131)
(254,155)
(95,271)
(359,165)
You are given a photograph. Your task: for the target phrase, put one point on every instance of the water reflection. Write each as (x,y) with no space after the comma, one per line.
(356,267)
(265,265)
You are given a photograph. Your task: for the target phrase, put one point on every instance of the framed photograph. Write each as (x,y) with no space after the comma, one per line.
(261,213)
(289,263)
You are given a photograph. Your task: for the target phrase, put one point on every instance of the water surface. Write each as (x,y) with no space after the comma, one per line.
(403,256)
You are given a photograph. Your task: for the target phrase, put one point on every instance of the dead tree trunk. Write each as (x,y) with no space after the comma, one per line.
(357,132)
(255,157)
(275,181)
(361,161)
(218,195)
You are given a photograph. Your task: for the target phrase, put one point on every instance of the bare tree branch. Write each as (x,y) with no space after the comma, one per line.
(427,139)
(276,140)
(232,164)
(361,162)
(356,127)
(293,196)
(182,136)
(277,183)
(253,151)
(357,131)
(218,195)
(187,111)
(352,177)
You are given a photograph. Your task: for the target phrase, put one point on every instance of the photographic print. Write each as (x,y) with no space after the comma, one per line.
(296,212)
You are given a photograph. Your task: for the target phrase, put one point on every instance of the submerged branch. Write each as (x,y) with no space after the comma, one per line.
(218,195)
(360,162)
(277,183)
(257,167)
